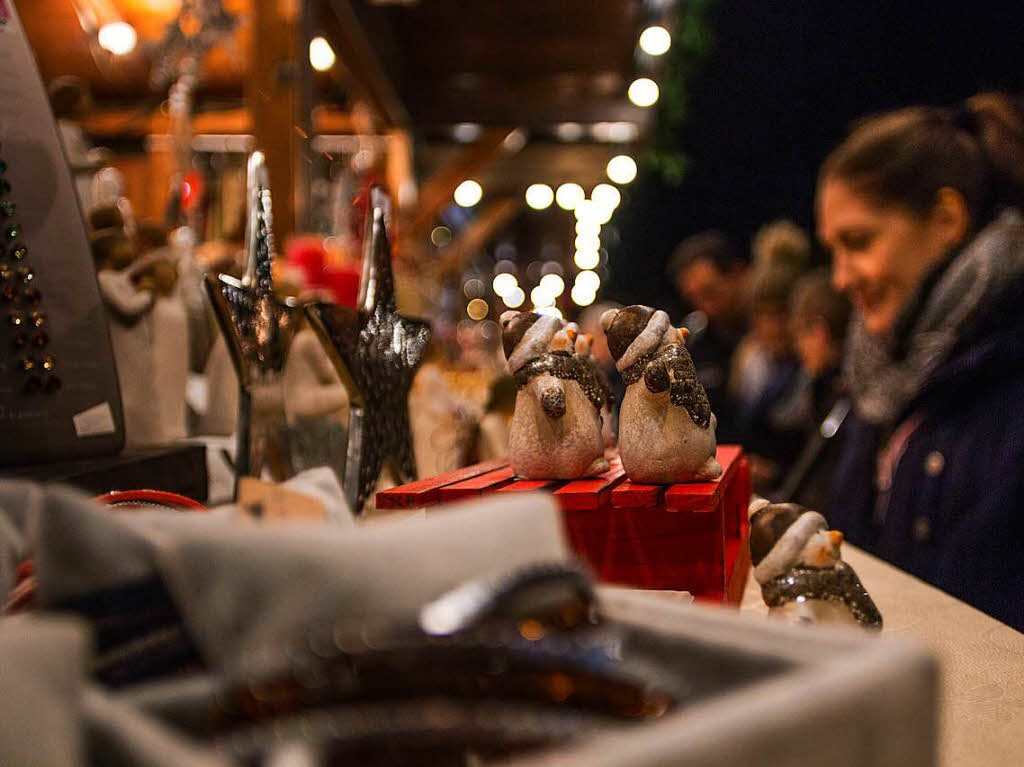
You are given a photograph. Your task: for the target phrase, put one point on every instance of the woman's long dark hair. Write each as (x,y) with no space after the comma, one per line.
(905,157)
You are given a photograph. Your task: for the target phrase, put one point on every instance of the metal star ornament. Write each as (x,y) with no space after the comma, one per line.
(376,352)
(258,328)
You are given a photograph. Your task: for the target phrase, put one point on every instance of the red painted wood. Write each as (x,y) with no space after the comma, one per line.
(629,495)
(424,492)
(476,486)
(527,485)
(705,496)
(591,493)
(688,537)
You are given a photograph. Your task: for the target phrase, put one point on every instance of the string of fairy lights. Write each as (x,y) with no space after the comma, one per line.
(591,213)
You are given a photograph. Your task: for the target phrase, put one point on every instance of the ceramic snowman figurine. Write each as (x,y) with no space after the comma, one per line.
(556,427)
(666,427)
(803,578)
(584,342)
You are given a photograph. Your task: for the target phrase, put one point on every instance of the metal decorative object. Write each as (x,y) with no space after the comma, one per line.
(258,328)
(376,352)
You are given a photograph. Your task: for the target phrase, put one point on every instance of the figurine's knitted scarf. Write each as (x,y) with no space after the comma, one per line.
(568,367)
(885,374)
(838,584)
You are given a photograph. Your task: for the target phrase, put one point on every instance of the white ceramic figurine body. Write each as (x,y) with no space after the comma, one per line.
(556,427)
(666,427)
(802,575)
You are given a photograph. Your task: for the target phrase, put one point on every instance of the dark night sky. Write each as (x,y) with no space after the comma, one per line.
(779,88)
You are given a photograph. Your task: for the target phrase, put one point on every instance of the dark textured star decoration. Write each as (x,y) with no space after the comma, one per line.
(258,328)
(376,352)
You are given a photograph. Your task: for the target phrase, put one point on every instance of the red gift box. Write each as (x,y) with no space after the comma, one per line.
(685,537)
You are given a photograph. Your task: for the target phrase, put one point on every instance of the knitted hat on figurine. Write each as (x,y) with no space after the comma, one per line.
(526,335)
(778,535)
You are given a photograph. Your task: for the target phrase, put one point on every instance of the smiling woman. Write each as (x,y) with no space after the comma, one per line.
(922,211)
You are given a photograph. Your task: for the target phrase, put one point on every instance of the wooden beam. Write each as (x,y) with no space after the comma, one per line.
(133,123)
(437,191)
(271,93)
(479,232)
(357,50)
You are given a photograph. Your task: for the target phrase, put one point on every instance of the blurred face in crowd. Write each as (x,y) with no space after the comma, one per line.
(770,326)
(709,290)
(881,253)
(814,345)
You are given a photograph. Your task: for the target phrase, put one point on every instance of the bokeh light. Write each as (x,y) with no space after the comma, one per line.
(643,92)
(468,193)
(539,196)
(588,281)
(504,283)
(587,259)
(514,298)
(621,169)
(118,37)
(568,196)
(552,284)
(655,41)
(477,309)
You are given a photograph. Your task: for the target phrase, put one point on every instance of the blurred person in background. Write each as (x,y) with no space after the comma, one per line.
(819,316)
(765,380)
(921,209)
(709,275)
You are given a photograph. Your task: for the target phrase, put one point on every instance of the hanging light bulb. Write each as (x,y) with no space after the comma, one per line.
(514,298)
(587,242)
(568,196)
(655,41)
(643,92)
(468,193)
(539,196)
(588,281)
(621,169)
(581,297)
(117,37)
(587,259)
(540,297)
(606,196)
(504,283)
(321,54)
(552,284)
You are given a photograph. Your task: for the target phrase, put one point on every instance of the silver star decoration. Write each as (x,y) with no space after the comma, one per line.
(376,352)
(258,328)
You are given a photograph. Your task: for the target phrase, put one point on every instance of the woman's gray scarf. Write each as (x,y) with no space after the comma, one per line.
(881,385)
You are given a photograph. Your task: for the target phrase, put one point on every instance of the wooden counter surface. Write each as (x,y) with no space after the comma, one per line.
(982,660)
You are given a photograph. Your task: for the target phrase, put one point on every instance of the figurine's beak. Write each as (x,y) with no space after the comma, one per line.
(572,334)
(836,538)
(590,338)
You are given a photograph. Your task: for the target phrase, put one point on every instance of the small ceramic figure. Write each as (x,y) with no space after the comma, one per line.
(802,575)
(556,427)
(666,427)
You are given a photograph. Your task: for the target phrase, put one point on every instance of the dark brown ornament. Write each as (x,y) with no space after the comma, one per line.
(376,352)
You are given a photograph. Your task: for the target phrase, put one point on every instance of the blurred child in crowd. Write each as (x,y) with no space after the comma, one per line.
(819,316)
